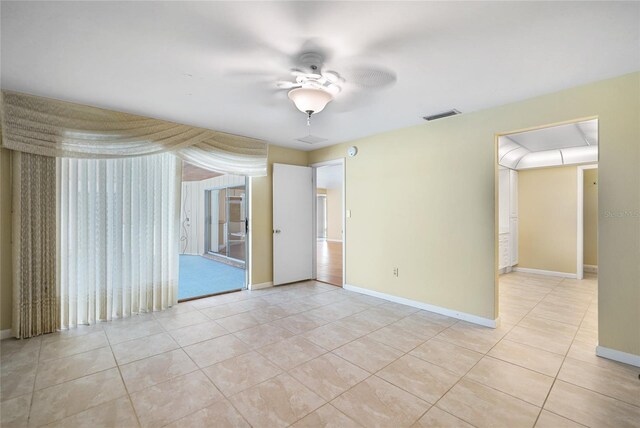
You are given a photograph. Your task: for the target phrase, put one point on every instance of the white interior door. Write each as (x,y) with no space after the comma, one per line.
(293,236)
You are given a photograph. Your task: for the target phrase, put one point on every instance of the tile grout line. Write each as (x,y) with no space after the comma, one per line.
(124,384)
(330,352)
(485,355)
(33,387)
(374,374)
(560,368)
(360,336)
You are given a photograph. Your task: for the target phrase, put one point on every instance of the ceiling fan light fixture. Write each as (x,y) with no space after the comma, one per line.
(312,100)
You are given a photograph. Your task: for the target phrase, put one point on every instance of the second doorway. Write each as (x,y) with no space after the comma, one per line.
(329,228)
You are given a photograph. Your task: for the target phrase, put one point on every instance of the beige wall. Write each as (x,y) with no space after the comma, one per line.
(547,209)
(5,240)
(591,217)
(334,214)
(439,230)
(262,214)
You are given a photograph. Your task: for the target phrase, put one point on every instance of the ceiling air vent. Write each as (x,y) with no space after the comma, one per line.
(311,139)
(441,115)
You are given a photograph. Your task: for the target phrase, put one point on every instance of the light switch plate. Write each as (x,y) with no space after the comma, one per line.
(348,213)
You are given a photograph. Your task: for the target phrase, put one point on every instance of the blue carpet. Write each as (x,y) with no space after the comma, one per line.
(200,276)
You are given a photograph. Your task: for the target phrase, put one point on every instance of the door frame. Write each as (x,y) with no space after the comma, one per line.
(580,222)
(496,165)
(315,166)
(248,181)
(247,208)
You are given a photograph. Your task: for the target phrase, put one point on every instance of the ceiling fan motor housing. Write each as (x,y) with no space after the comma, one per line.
(312,61)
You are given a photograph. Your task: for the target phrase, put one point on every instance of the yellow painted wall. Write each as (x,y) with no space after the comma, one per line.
(334,214)
(440,229)
(591,217)
(547,219)
(262,213)
(5,240)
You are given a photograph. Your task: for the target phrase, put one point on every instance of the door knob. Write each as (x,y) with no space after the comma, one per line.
(277,231)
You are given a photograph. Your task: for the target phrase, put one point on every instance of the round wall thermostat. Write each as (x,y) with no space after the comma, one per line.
(352,151)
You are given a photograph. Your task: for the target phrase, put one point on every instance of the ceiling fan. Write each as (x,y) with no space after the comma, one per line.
(313,86)
(315,77)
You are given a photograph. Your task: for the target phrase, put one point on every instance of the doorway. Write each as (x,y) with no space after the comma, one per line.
(213,233)
(329,222)
(546,230)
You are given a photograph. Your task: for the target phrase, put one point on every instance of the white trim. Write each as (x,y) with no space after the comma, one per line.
(591,268)
(333,240)
(545,272)
(474,319)
(248,233)
(6,334)
(580,222)
(261,285)
(337,161)
(622,357)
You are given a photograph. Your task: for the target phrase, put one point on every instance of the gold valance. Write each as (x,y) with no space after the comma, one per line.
(49,127)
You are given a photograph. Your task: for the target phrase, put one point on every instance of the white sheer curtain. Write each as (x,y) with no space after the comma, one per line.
(118,243)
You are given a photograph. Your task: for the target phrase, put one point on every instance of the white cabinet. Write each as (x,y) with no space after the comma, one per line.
(504,197)
(513,217)
(507,219)
(503,251)
(513,193)
(513,241)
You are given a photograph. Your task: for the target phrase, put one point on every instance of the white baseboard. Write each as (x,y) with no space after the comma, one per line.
(590,268)
(474,319)
(261,285)
(6,334)
(545,272)
(504,270)
(622,357)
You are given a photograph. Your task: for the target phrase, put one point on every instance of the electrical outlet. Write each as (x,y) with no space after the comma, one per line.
(395,272)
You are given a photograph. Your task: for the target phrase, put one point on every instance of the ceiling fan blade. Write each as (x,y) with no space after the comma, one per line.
(332,76)
(371,77)
(285,84)
(297,73)
(250,74)
(353,97)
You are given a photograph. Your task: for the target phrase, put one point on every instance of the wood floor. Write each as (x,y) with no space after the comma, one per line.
(329,268)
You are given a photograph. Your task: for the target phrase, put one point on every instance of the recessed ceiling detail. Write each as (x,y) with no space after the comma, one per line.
(569,144)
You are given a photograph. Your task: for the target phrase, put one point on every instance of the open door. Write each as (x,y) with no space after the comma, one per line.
(293,231)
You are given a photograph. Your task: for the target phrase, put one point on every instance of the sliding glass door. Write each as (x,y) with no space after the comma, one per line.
(225,223)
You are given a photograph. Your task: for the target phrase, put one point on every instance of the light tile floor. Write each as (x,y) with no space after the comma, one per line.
(311,355)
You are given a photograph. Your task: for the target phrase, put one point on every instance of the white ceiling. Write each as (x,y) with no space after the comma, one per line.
(329,177)
(573,143)
(213,64)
